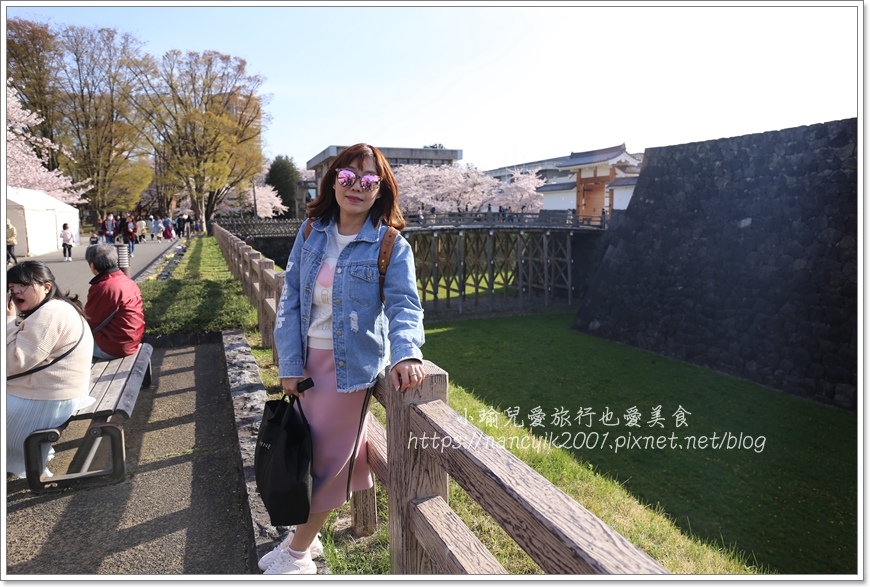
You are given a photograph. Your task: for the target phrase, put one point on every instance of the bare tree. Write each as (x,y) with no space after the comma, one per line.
(100,124)
(204,117)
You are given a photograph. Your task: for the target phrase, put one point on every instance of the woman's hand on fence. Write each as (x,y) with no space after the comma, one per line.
(408,373)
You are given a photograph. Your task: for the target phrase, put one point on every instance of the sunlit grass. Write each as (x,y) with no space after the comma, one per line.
(787,504)
(201,295)
(789,508)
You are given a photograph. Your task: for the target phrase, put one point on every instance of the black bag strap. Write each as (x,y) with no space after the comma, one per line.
(105,322)
(35,369)
(362,420)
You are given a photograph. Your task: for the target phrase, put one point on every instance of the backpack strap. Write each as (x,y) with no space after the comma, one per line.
(384,257)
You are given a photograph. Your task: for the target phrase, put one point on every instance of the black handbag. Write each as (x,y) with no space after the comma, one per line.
(282,460)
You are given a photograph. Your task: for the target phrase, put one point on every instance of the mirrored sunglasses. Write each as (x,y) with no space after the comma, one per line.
(368,183)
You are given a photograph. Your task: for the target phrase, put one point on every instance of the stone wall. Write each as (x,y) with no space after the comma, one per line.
(740,255)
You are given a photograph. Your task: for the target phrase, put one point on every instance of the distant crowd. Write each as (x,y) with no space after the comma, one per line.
(133,230)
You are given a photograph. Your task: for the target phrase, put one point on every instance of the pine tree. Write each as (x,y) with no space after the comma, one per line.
(283,175)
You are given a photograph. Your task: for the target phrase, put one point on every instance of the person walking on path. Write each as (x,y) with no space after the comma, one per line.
(167,228)
(156,228)
(333,326)
(11,241)
(141,230)
(110,228)
(129,231)
(68,239)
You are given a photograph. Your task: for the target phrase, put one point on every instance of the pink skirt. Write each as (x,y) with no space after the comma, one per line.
(334,419)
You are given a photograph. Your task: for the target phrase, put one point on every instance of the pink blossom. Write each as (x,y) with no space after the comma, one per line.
(24,168)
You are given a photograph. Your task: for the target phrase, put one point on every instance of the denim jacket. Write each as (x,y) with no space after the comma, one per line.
(366,334)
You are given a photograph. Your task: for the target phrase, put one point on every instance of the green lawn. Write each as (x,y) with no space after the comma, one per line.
(202,295)
(786,503)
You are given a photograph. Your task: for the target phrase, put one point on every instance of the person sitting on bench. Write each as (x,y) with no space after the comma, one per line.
(114,306)
(48,358)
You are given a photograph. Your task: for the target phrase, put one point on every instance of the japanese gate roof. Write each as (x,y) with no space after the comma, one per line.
(596,156)
(555,187)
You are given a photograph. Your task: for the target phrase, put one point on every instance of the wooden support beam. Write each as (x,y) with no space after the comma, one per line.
(453,548)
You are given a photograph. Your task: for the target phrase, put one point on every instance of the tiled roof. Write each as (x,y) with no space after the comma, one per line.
(542,163)
(589,157)
(555,187)
(621,181)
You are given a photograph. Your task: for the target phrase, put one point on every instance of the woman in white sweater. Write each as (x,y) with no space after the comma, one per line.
(48,358)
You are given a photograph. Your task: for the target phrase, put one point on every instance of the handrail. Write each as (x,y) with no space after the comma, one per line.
(553,219)
(426,536)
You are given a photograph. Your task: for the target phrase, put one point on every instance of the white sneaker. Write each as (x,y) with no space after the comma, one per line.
(287,564)
(315,550)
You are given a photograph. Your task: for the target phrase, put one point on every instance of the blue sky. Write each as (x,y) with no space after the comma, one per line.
(512,83)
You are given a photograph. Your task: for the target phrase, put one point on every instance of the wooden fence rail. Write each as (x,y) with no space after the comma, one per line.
(426,441)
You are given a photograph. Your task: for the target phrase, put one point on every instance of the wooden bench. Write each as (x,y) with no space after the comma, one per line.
(115,386)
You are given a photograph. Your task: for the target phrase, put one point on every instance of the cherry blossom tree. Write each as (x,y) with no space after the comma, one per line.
(203,111)
(520,193)
(26,169)
(268,202)
(451,188)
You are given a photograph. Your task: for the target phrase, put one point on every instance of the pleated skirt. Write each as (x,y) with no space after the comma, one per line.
(334,419)
(24,416)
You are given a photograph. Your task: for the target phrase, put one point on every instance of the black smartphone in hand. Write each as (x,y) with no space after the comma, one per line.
(306,383)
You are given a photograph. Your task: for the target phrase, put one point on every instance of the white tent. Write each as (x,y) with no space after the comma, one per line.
(39,219)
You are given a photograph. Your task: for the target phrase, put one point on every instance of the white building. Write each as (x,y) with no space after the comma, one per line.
(39,218)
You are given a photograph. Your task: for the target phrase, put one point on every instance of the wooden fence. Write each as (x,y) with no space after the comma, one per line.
(425,442)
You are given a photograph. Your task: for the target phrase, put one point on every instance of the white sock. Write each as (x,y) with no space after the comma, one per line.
(296,553)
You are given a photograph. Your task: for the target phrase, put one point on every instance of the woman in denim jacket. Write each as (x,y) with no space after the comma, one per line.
(332,326)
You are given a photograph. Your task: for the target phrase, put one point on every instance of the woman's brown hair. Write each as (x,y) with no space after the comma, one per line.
(386,207)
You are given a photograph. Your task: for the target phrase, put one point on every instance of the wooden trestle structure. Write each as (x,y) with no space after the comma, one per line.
(479,262)
(473,269)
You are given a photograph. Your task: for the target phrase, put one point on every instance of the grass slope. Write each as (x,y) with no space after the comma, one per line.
(787,500)
(786,503)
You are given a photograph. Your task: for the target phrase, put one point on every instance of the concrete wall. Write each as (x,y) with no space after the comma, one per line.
(740,255)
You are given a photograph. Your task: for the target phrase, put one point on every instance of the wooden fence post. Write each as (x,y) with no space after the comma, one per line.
(254,280)
(364,513)
(413,474)
(245,268)
(265,319)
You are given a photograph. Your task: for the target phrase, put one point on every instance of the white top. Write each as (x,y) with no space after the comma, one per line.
(320,328)
(47,333)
